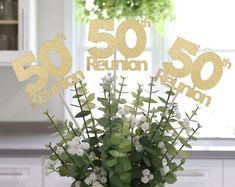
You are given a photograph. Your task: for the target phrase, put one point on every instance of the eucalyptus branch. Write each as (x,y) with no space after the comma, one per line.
(122,85)
(190,118)
(54,124)
(110,126)
(67,153)
(176,167)
(135,112)
(136,105)
(168,118)
(163,115)
(80,105)
(62,162)
(189,138)
(92,117)
(150,95)
(178,134)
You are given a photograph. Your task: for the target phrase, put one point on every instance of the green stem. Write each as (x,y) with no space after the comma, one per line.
(92,117)
(135,113)
(68,154)
(176,138)
(55,126)
(122,85)
(183,145)
(162,118)
(62,162)
(80,105)
(150,95)
(110,126)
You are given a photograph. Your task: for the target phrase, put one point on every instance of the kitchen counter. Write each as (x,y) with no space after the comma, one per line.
(29,138)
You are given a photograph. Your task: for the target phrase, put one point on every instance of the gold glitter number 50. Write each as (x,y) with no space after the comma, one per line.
(119,42)
(194,68)
(24,72)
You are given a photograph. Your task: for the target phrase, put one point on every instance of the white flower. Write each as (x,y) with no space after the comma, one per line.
(146,172)
(144,179)
(97,184)
(50,164)
(178,115)
(92,155)
(93,176)
(143,119)
(166,169)
(77,183)
(103,172)
(161,145)
(88,181)
(135,122)
(103,180)
(129,118)
(126,109)
(72,150)
(136,139)
(138,148)
(186,122)
(85,145)
(74,142)
(120,111)
(59,150)
(89,5)
(164,162)
(92,16)
(186,126)
(145,126)
(151,177)
(80,152)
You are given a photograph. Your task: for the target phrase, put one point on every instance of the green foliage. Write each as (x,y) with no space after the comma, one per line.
(155,11)
(144,135)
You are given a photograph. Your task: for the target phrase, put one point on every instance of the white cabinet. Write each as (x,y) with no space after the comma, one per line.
(20,172)
(17,29)
(54,179)
(201,173)
(229,173)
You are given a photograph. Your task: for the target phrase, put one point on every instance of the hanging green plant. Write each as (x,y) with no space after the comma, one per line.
(155,11)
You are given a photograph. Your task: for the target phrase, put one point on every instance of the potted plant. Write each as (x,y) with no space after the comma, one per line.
(129,145)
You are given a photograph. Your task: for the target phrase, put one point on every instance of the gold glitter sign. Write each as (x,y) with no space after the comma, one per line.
(98,59)
(181,51)
(25,69)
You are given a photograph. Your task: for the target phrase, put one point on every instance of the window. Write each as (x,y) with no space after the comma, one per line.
(209,24)
(206,23)
(151,54)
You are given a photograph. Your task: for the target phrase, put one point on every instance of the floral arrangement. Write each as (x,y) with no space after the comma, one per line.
(155,11)
(131,144)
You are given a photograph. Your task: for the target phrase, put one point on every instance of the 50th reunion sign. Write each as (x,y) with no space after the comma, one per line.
(98,59)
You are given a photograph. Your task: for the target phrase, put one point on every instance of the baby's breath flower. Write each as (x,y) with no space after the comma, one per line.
(88,181)
(80,152)
(103,180)
(138,148)
(85,145)
(145,126)
(146,172)
(151,177)
(161,145)
(166,169)
(144,179)
(143,119)
(97,184)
